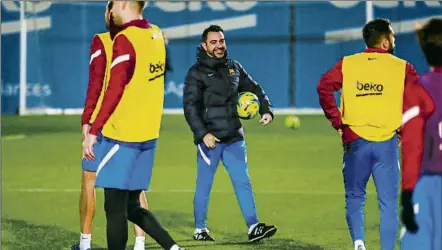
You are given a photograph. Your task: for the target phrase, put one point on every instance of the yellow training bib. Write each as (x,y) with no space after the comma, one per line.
(372,94)
(137,117)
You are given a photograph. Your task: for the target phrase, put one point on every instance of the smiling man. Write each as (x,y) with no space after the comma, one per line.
(210,98)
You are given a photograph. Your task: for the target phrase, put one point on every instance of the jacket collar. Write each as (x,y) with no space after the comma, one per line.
(375,50)
(211,62)
(140,23)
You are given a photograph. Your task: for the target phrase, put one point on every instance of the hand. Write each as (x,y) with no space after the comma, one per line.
(266,119)
(408,216)
(88,147)
(85,130)
(340,132)
(210,140)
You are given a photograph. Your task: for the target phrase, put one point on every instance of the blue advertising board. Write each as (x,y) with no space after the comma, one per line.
(257,34)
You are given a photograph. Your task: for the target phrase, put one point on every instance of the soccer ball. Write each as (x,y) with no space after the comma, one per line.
(292,122)
(247,105)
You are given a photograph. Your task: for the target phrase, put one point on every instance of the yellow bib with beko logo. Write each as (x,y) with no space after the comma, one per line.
(372,94)
(137,117)
(107,43)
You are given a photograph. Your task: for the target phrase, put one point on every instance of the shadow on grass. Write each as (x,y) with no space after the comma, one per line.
(274,243)
(228,240)
(23,235)
(20,234)
(232,239)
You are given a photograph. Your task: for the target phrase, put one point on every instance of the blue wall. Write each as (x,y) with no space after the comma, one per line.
(58,56)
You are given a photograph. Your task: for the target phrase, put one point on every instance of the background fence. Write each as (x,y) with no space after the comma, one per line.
(285,46)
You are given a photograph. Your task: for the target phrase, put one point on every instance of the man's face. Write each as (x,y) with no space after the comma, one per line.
(391,40)
(117,10)
(107,15)
(215,46)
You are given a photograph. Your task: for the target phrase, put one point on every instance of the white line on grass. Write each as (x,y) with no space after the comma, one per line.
(300,192)
(13,137)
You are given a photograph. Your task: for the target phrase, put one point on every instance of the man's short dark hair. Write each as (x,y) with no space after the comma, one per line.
(375,30)
(211,28)
(430,41)
(141,5)
(109,5)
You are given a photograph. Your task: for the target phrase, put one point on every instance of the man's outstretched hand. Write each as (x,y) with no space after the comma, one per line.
(266,119)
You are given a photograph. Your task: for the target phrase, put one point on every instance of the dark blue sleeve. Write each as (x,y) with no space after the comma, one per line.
(192,103)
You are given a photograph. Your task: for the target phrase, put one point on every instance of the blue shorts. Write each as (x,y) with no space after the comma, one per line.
(123,165)
(91,166)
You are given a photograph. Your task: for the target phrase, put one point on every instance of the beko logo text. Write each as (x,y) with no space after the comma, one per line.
(368,89)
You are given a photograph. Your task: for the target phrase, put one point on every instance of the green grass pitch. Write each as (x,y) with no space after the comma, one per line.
(296,176)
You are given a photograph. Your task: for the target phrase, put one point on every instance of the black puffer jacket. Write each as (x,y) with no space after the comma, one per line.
(210,97)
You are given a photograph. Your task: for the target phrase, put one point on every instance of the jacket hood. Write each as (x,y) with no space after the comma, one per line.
(211,62)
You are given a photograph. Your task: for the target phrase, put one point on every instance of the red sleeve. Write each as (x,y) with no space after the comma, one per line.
(411,75)
(331,82)
(122,70)
(97,72)
(418,106)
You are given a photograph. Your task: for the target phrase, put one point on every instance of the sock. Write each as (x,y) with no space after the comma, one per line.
(85,241)
(175,247)
(359,242)
(200,230)
(140,239)
(139,243)
(252,227)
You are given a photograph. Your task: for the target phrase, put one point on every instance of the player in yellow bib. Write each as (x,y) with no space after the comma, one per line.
(99,66)
(129,119)
(370,116)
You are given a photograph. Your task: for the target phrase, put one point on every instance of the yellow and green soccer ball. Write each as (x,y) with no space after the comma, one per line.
(247,105)
(292,122)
